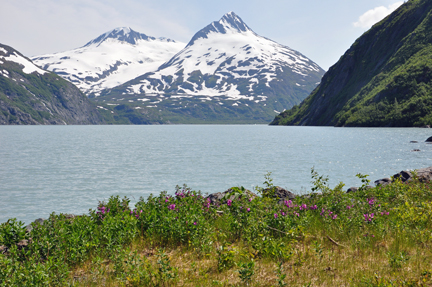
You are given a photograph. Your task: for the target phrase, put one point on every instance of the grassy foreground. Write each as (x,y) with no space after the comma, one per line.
(374,237)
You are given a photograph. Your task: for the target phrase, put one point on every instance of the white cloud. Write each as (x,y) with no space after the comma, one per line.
(375,15)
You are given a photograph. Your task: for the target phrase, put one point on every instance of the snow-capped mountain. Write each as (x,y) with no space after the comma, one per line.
(228,61)
(110,60)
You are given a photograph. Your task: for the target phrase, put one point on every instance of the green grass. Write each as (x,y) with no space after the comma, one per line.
(374,237)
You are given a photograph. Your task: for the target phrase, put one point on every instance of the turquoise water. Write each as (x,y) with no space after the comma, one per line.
(68,169)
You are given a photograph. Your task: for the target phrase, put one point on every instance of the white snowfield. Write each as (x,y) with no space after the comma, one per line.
(109,62)
(234,54)
(227,53)
(28,68)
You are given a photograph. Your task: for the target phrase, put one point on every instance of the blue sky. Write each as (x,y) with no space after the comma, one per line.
(321,30)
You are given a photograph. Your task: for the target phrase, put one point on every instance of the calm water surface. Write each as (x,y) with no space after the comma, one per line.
(70,168)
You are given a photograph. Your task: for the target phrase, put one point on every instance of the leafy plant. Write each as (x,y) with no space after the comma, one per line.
(280,275)
(12,232)
(225,256)
(397,259)
(246,271)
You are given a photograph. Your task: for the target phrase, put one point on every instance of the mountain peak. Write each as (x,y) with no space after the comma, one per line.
(229,23)
(123,34)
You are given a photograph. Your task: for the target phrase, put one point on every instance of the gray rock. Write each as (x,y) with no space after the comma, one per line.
(352,189)
(23,244)
(216,198)
(413,141)
(282,194)
(219,198)
(429,139)
(37,221)
(423,174)
(383,181)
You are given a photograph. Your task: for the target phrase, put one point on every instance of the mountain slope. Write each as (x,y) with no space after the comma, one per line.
(225,67)
(111,59)
(384,79)
(30,95)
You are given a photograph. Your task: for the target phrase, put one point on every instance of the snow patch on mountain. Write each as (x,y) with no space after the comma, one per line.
(111,59)
(226,50)
(28,68)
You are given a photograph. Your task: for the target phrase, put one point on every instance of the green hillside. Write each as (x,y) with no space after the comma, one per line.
(39,97)
(383,80)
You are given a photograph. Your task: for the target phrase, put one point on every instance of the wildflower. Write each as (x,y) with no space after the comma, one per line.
(283,213)
(250,199)
(335,216)
(314,207)
(248,210)
(195,223)
(368,217)
(275,215)
(229,202)
(171,206)
(348,207)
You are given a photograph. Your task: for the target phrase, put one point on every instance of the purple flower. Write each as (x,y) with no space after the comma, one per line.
(195,223)
(368,217)
(275,215)
(229,202)
(250,199)
(248,210)
(335,216)
(171,206)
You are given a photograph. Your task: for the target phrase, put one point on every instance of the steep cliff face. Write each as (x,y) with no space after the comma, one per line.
(30,95)
(384,79)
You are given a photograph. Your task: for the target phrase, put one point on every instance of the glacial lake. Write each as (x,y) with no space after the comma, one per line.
(69,169)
